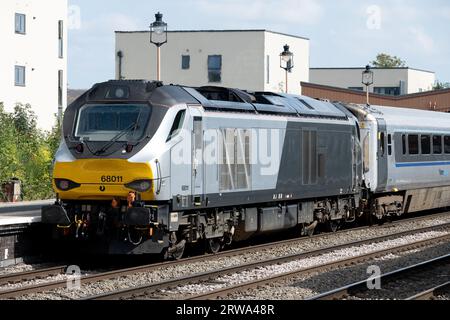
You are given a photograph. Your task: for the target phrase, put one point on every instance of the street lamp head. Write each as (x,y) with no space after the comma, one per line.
(367,76)
(286,59)
(158,31)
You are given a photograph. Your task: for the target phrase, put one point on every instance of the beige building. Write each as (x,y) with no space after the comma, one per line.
(389,81)
(244,59)
(33,64)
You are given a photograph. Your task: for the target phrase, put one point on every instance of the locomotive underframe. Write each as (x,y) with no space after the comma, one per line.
(153,228)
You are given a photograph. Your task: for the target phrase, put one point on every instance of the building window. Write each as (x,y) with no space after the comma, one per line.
(426,144)
(19,76)
(215,68)
(413,144)
(356,88)
(60,88)
(390,91)
(20,23)
(268,69)
(185,62)
(61,38)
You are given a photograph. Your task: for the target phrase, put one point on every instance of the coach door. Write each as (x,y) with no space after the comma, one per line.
(197,161)
(382,155)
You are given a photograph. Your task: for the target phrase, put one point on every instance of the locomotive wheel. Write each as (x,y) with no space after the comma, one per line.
(214,245)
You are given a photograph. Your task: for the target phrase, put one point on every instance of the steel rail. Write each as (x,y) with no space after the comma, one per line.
(432,293)
(361,286)
(335,264)
(17,292)
(31,275)
(195,278)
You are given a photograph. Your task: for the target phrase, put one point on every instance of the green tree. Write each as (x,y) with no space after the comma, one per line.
(9,162)
(26,152)
(384,60)
(441,85)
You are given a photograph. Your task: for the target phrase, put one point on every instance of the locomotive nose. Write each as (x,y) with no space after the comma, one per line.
(102,179)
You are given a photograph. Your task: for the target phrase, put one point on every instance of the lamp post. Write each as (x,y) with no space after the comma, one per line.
(158,36)
(367,79)
(286,62)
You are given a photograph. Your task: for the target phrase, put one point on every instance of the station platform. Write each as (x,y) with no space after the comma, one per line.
(20,233)
(22,212)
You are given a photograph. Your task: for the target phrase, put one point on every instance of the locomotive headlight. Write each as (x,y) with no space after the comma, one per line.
(65,185)
(140,185)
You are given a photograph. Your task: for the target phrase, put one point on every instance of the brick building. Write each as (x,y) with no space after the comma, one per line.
(438,100)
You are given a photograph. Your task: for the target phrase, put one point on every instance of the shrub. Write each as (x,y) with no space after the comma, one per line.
(26,152)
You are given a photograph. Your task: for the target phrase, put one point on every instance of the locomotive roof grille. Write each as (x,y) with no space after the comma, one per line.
(235,100)
(212,98)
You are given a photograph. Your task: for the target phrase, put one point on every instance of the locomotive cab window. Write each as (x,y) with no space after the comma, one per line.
(177,124)
(107,122)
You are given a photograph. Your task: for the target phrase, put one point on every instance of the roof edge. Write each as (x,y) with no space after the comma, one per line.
(212,30)
(373,68)
(402,97)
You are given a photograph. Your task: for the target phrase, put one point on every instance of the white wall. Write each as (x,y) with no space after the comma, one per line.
(346,78)
(419,81)
(243,57)
(274,45)
(37,50)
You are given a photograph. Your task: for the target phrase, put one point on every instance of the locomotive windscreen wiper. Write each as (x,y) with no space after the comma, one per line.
(133,126)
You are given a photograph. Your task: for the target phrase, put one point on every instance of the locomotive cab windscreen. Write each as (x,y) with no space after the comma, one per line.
(107,122)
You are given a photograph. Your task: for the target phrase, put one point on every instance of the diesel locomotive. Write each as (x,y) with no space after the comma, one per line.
(214,165)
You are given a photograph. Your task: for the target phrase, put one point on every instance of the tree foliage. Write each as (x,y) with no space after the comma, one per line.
(26,152)
(441,85)
(384,60)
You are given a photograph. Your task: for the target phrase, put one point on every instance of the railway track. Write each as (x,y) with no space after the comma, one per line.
(433,293)
(25,290)
(398,283)
(154,290)
(32,275)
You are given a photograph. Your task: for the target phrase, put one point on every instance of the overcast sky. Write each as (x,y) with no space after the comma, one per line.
(345,33)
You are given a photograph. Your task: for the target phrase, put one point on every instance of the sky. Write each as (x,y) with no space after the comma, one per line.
(344,33)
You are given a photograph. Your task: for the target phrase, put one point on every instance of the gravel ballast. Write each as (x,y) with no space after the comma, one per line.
(175,271)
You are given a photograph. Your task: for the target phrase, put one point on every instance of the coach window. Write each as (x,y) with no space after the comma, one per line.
(437,144)
(413,144)
(177,125)
(447,144)
(425,144)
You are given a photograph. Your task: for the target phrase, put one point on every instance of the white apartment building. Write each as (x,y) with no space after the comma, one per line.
(389,81)
(33,64)
(244,59)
